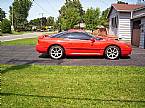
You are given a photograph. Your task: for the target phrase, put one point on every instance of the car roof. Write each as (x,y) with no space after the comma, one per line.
(72,31)
(76,30)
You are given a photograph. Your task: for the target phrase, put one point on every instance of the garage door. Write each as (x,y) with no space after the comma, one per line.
(136,33)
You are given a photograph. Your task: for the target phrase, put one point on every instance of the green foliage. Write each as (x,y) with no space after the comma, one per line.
(104,20)
(6,26)
(70,14)
(0,25)
(50,21)
(39,22)
(35,22)
(71,18)
(57,25)
(19,13)
(43,21)
(2,14)
(0,28)
(121,2)
(92,18)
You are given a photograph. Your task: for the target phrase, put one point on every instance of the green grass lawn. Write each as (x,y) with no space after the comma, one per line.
(29,41)
(34,86)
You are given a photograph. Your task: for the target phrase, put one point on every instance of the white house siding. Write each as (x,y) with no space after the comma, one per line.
(142,36)
(124,26)
(112,31)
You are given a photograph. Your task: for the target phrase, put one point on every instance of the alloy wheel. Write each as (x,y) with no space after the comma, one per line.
(56,52)
(112,52)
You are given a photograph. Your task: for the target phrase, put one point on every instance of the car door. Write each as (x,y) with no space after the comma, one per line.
(81,44)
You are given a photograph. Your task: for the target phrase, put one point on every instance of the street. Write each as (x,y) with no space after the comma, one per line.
(19,55)
(22,36)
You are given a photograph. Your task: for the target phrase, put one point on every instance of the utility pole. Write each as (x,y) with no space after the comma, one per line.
(12,27)
(41,18)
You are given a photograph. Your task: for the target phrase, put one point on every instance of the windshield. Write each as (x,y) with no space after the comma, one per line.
(93,36)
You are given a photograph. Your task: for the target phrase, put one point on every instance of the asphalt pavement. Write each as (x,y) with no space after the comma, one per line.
(20,55)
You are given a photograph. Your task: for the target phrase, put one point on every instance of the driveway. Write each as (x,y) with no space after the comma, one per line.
(27,55)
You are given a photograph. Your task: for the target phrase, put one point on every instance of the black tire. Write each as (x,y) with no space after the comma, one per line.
(112,52)
(56,52)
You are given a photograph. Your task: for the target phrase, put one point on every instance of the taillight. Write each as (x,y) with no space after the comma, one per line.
(41,37)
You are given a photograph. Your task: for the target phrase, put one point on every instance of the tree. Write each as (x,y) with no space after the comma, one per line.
(121,2)
(43,21)
(50,21)
(92,18)
(0,27)
(78,5)
(70,14)
(19,13)
(6,26)
(2,14)
(35,22)
(104,20)
(71,18)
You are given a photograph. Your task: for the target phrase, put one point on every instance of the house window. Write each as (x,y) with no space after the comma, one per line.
(114,22)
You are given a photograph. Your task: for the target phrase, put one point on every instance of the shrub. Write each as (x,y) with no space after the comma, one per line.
(0,28)
(0,24)
(6,26)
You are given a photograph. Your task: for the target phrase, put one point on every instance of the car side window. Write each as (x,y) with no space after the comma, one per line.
(57,35)
(81,36)
(64,35)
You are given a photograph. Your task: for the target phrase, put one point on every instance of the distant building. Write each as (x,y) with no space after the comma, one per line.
(80,26)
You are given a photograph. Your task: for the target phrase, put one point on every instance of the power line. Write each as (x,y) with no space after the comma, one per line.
(40,6)
(50,5)
(104,2)
(53,7)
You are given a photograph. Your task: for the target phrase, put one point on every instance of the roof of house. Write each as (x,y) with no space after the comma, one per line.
(137,9)
(125,7)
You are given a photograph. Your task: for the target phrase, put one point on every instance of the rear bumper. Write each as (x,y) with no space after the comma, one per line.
(41,49)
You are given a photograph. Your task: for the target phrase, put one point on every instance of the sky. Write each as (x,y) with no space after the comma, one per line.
(51,7)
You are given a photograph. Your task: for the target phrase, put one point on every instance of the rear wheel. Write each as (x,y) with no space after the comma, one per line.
(112,52)
(56,52)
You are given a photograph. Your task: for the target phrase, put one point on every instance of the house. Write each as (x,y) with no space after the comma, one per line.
(80,26)
(126,21)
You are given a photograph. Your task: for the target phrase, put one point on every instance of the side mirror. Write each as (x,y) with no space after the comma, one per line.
(92,40)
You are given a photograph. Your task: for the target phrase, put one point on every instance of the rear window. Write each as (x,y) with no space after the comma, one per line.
(57,35)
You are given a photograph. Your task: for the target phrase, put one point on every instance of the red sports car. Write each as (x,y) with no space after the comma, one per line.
(74,43)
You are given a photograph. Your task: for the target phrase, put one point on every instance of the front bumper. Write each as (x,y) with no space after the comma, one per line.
(126,52)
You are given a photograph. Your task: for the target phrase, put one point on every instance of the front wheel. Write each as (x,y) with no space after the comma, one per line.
(56,52)
(112,52)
